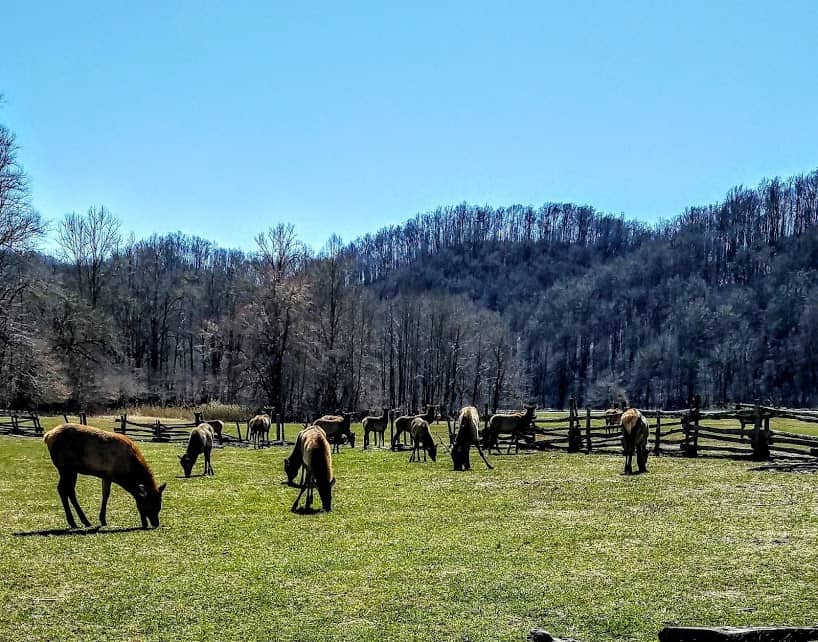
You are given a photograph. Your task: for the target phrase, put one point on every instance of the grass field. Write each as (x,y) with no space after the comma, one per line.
(410,551)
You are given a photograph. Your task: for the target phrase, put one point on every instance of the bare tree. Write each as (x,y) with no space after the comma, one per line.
(87,242)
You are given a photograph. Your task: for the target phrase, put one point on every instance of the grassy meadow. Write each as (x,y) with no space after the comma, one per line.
(410,551)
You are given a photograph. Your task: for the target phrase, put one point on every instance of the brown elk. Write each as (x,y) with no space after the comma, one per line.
(313,451)
(512,425)
(466,435)
(84,450)
(377,426)
(218,428)
(337,428)
(635,430)
(422,440)
(612,417)
(200,442)
(258,427)
(404,423)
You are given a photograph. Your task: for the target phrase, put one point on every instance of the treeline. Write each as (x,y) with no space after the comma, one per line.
(468,304)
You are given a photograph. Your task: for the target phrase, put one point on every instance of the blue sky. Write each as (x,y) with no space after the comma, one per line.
(220,119)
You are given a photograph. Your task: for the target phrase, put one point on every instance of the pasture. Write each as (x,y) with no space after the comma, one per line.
(410,551)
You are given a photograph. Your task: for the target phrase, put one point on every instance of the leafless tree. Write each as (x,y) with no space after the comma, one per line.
(87,242)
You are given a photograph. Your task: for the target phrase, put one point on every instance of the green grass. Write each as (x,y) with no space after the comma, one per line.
(410,551)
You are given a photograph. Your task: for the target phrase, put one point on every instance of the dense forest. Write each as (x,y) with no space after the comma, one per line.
(466,304)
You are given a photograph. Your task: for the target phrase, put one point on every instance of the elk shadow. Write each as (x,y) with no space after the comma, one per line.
(70,532)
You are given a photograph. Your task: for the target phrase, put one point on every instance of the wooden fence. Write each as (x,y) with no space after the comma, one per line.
(14,422)
(742,432)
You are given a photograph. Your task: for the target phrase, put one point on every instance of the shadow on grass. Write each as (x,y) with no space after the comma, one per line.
(303,510)
(62,532)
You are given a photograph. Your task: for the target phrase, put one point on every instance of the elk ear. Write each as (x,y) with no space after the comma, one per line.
(162,488)
(143,492)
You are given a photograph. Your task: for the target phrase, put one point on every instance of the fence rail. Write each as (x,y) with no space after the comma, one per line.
(689,433)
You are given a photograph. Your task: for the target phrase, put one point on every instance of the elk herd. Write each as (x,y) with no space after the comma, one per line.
(114,458)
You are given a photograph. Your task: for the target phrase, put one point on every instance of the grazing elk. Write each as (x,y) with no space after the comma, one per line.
(467,434)
(84,450)
(377,426)
(258,427)
(512,425)
(635,431)
(422,440)
(336,428)
(404,423)
(218,428)
(200,442)
(313,451)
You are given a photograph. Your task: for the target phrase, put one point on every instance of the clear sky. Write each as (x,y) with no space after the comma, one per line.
(220,119)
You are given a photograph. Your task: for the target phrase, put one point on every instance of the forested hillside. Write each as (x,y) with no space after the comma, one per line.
(466,304)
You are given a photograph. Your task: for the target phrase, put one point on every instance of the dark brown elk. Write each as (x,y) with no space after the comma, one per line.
(467,434)
(337,428)
(511,425)
(84,450)
(422,440)
(404,423)
(313,451)
(200,442)
(258,430)
(377,426)
(635,430)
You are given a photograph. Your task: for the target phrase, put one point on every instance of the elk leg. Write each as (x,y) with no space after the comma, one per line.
(295,503)
(106,492)
(206,462)
(62,490)
(642,460)
(629,462)
(480,450)
(72,495)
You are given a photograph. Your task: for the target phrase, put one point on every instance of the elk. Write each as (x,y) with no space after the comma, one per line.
(612,417)
(512,425)
(402,424)
(635,431)
(257,427)
(85,450)
(200,441)
(316,467)
(467,435)
(422,440)
(218,428)
(376,425)
(336,427)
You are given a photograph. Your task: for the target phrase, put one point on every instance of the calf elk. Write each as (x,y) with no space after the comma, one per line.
(199,442)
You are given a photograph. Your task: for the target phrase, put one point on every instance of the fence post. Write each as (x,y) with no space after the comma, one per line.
(197,417)
(656,447)
(83,418)
(697,402)
(588,429)
(278,428)
(760,437)
(15,424)
(574,434)
(283,438)
(392,429)
(38,427)
(157,431)
(238,429)
(123,420)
